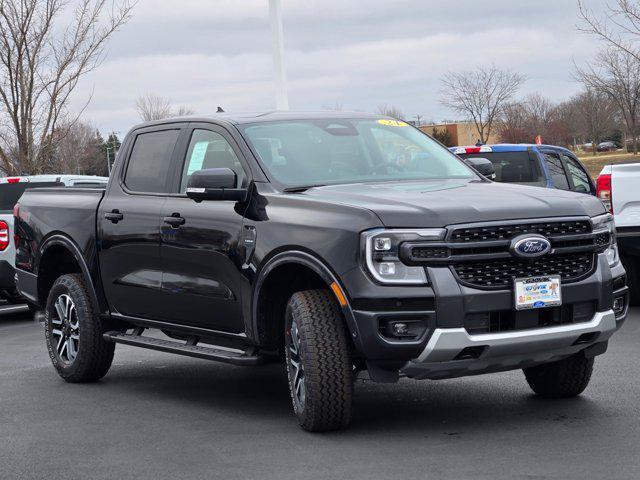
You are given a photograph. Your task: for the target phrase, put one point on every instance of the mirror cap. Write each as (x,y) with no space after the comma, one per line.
(483,166)
(215,184)
(212,178)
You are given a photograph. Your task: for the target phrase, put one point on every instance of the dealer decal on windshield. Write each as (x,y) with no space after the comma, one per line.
(392,123)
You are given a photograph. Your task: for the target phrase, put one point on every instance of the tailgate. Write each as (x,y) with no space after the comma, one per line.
(625,191)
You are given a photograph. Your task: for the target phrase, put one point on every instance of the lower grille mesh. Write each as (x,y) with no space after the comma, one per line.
(500,273)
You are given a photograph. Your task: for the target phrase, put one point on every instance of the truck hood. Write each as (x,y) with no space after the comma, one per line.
(438,203)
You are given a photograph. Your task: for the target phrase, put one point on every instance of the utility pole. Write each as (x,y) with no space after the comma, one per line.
(418,117)
(106,148)
(275,17)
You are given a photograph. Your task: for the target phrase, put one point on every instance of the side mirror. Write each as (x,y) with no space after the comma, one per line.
(215,184)
(483,166)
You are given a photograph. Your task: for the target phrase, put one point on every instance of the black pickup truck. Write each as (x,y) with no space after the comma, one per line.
(335,243)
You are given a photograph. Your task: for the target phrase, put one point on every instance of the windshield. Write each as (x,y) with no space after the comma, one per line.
(512,167)
(332,151)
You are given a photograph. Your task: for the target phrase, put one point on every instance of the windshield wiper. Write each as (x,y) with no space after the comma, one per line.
(302,188)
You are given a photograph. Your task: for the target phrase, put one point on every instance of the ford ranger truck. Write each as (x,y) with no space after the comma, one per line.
(335,243)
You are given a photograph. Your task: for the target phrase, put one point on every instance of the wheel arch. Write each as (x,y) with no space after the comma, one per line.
(310,272)
(59,255)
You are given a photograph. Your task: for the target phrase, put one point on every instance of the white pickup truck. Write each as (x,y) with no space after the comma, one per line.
(11,188)
(618,186)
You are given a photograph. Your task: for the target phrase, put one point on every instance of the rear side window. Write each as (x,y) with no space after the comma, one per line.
(11,192)
(579,177)
(512,167)
(150,161)
(556,171)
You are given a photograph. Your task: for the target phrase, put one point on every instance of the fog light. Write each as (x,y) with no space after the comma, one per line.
(618,305)
(400,329)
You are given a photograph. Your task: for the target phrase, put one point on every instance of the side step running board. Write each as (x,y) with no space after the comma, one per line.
(208,353)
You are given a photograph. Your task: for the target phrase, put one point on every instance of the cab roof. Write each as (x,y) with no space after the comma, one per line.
(257,117)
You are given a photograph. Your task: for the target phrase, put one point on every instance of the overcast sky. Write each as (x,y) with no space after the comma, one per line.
(356,53)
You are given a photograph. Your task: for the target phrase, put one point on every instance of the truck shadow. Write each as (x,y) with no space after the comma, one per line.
(452,407)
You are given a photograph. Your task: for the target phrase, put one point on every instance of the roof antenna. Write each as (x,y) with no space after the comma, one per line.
(219,110)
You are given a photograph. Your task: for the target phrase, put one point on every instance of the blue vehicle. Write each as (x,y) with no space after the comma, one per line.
(538,165)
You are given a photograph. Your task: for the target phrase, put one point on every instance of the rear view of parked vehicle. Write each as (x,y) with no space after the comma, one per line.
(11,188)
(618,186)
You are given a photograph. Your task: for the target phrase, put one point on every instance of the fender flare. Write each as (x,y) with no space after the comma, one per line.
(320,268)
(66,242)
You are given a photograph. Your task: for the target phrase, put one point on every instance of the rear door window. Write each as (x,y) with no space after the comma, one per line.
(556,170)
(150,161)
(512,167)
(579,178)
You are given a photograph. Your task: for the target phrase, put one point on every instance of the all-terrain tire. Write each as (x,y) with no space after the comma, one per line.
(94,355)
(563,379)
(324,353)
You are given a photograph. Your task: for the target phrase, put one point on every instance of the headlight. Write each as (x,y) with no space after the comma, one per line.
(604,223)
(381,249)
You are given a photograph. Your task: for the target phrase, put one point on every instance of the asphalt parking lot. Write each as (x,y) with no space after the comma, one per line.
(160,416)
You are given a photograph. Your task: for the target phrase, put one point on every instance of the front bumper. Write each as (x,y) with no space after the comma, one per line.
(444,307)
(505,351)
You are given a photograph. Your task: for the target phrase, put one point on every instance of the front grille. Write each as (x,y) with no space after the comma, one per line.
(500,273)
(420,253)
(507,232)
(512,320)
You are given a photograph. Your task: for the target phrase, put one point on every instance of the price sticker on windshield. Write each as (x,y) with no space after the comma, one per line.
(392,123)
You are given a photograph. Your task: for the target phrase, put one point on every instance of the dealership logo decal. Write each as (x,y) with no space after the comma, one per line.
(529,246)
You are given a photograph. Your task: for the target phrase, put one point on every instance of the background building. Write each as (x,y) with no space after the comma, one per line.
(460,133)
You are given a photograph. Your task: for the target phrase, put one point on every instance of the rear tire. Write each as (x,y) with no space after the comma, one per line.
(73,332)
(318,359)
(564,379)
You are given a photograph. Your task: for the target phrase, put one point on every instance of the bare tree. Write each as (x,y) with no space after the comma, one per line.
(597,115)
(618,27)
(336,107)
(78,150)
(154,107)
(183,111)
(390,111)
(535,115)
(616,73)
(514,123)
(480,95)
(41,63)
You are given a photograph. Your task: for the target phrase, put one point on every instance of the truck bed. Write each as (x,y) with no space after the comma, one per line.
(64,211)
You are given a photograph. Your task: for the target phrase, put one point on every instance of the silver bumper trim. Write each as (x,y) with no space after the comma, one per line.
(504,351)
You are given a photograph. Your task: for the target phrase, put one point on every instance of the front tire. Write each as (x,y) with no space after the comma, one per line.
(73,332)
(319,364)
(564,379)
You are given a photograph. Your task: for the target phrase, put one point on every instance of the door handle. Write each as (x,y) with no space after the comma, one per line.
(114,216)
(175,220)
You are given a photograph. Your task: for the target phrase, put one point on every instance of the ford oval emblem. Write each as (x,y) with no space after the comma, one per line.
(530,246)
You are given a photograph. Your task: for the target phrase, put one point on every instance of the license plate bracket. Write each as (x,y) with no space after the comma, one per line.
(537,292)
